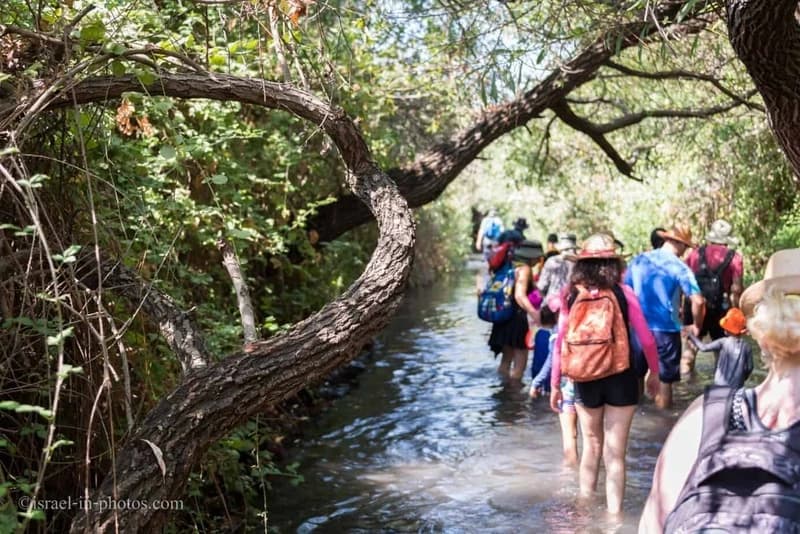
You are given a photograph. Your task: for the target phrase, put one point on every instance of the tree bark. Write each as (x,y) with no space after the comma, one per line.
(428,176)
(766,37)
(213,400)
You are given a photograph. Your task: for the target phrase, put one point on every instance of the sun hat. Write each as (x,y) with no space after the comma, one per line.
(734,321)
(782,272)
(597,246)
(680,233)
(567,242)
(720,233)
(528,250)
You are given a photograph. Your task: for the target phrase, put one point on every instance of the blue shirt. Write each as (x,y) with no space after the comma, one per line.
(658,277)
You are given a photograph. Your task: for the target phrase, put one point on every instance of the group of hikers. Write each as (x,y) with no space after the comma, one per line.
(604,327)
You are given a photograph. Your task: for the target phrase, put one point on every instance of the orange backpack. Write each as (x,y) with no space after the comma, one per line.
(596,341)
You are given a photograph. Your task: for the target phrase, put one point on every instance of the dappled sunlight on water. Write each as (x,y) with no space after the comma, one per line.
(432,441)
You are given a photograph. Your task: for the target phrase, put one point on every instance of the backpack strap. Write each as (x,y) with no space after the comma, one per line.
(727,261)
(622,300)
(717,404)
(701,253)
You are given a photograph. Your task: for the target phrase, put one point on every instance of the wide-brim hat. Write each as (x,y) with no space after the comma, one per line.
(734,321)
(596,247)
(782,272)
(721,232)
(567,242)
(528,250)
(680,233)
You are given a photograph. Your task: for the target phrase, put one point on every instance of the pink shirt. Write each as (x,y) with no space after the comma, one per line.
(715,254)
(638,325)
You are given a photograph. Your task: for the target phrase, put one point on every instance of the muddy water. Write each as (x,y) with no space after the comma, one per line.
(432,441)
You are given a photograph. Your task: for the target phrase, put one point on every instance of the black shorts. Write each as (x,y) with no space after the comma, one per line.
(621,389)
(710,322)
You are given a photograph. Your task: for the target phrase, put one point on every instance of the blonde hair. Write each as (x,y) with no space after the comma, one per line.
(775,325)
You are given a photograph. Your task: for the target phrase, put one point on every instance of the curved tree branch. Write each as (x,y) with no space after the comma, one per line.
(427,177)
(568,117)
(213,400)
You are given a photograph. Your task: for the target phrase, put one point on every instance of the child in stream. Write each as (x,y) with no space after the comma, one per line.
(567,416)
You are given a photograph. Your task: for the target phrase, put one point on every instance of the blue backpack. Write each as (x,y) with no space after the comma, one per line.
(494,230)
(496,302)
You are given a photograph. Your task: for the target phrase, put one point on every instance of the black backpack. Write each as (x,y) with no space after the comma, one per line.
(742,481)
(710,282)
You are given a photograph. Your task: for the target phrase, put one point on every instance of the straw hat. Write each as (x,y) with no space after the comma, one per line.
(680,233)
(782,272)
(734,321)
(597,246)
(720,232)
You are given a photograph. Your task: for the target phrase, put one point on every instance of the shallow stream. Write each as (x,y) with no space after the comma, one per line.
(432,441)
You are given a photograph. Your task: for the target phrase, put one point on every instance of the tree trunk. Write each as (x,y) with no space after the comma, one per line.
(766,37)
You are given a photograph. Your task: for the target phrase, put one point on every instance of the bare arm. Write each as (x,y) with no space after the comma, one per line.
(714,346)
(672,468)
(698,312)
(522,280)
(736,291)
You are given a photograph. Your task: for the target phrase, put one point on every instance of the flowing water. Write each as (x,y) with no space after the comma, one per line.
(432,441)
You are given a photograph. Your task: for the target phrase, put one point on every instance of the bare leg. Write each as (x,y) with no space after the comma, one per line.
(688,357)
(591,420)
(520,360)
(504,368)
(616,426)
(664,398)
(569,437)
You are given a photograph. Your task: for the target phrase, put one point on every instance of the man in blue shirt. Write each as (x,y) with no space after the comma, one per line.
(658,278)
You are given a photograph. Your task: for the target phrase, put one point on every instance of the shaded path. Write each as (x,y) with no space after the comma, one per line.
(431,441)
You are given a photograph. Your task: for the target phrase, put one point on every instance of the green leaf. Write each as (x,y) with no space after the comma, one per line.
(146,77)
(167,152)
(93,31)
(118,68)
(59,443)
(36,181)
(116,48)
(9,405)
(67,370)
(59,338)
(218,179)
(218,59)
(29,408)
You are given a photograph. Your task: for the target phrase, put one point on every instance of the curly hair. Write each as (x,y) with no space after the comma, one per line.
(775,325)
(597,272)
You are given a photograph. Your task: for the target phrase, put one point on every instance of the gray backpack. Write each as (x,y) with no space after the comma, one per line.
(742,481)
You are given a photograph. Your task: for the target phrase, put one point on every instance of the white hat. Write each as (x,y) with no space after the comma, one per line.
(567,242)
(720,232)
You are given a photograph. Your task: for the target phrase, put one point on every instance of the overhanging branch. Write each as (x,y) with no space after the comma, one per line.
(568,117)
(597,132)
(686,75)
